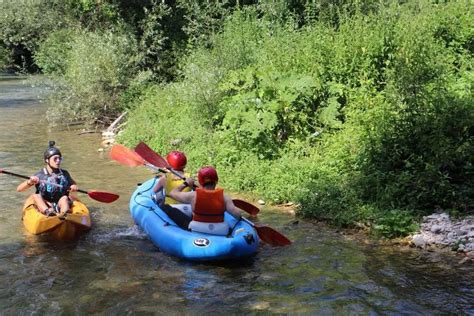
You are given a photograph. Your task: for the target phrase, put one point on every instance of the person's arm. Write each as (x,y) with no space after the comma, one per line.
(73,187)
(160,184)
(33,180)
(230,207)
(183,197)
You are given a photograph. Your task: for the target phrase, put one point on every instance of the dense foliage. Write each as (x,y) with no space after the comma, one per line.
(359,113)
(370,121)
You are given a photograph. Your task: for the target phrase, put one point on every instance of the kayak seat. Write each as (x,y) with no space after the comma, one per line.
(221,229)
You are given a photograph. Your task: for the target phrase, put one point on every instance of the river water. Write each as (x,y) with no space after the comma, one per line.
(115,269)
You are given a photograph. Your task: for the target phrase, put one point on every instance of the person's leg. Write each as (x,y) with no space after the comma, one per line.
(63,205)
(159,197)
(41,204)
(181,219)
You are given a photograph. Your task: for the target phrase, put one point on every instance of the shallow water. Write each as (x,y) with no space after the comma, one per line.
(115,269)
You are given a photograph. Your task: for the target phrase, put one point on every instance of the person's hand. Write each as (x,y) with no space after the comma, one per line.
(33,180)
(73,188)
(190,182)
(49,212)
(239,215)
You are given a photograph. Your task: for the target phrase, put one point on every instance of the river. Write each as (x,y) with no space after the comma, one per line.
(115,269)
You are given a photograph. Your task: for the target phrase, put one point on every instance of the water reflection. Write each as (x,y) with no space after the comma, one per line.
(115,269)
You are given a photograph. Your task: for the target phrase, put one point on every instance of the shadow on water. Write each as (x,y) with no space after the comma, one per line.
(115,269)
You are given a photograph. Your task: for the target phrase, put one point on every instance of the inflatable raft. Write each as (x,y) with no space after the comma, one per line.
(241,241)
(67,228)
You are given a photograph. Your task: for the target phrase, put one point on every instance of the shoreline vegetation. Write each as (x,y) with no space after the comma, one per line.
(358,112)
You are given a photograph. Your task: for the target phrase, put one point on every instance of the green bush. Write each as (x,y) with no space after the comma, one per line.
(53,53)
(395,223)
(23,25)
(5,58)
(99,68)
(418,152)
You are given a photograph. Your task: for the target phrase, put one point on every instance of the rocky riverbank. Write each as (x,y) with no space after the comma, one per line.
(440,231)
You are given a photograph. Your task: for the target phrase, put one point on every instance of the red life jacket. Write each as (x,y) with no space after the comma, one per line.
(209,206)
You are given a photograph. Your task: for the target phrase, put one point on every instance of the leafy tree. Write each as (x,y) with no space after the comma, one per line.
(23,25)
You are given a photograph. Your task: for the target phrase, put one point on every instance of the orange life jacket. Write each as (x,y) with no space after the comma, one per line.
(209,206)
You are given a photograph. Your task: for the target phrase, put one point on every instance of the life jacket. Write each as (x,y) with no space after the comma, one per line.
(47,188)
(209,206)
(172,182)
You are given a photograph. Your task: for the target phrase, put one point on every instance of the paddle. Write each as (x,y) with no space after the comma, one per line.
(128,157)
(144,151)
(149,155)
(246,206)
(105,197)
(269,235)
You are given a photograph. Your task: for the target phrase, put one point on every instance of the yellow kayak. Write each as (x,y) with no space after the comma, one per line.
(70,227)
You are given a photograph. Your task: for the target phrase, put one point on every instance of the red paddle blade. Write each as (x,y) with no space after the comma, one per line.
(271,236)
(125,156)
(150,155)
(246,206)
(105,197)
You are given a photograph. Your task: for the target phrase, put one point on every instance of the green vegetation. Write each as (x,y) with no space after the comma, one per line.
(358,113)
(22,26)
(95,68)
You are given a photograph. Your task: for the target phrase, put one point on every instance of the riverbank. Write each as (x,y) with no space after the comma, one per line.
(438,233)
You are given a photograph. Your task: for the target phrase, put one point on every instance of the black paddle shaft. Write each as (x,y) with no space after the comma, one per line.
(25,177)
(14,174)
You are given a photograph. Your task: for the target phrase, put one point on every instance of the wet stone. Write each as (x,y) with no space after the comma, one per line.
(438,230)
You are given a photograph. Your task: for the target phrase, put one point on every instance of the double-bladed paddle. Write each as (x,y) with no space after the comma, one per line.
(105,197)
(265,233)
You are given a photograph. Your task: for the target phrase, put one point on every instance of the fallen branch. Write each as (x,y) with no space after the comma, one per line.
(111,128)
(87,132)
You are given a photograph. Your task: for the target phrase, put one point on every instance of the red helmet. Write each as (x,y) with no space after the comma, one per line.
(207,175)
(177,160)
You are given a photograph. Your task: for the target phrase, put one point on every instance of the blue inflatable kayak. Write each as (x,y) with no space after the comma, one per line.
(171,239)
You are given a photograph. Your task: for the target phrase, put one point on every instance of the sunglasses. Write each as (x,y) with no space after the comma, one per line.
(58,159)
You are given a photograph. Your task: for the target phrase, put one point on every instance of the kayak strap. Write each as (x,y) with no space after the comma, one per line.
(231,230)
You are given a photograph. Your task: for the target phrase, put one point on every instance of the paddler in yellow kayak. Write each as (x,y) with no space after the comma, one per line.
(52,183)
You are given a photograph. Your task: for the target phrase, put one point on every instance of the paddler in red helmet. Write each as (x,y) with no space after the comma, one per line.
(179,213)
(208,203)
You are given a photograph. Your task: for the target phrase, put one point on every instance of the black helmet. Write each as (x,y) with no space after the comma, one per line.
(51,151)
